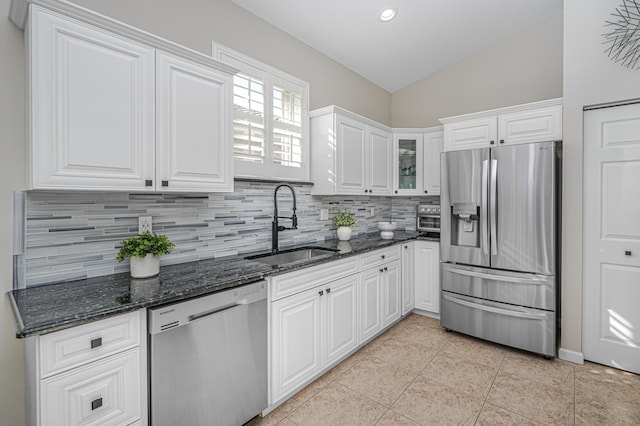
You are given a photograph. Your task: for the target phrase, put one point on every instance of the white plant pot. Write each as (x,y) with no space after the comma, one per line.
(145,267)
(344,233)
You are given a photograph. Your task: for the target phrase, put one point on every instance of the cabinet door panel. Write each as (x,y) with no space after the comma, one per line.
(295,342)
(408,277)
(538,125)
(427,280)
(193,127)
(433,147)
(351,156)
(391,296)
(106,392)
(370,312)
(341,320)
(380,151)
(470,134)
(92,107)
(407,163)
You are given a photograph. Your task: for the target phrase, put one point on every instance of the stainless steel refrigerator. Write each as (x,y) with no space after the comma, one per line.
(499,244)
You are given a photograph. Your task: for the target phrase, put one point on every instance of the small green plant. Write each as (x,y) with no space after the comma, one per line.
(143,244)
(344,218)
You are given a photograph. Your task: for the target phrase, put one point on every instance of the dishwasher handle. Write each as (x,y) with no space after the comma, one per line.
(195,317)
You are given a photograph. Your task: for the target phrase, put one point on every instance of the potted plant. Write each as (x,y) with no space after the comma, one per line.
(144,251)
(344,222)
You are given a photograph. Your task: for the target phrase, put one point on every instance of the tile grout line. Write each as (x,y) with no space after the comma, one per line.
(484,402)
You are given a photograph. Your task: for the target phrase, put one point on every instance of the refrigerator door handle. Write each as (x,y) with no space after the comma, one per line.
(510,279)
(484,206)
(494,207)
(517,314)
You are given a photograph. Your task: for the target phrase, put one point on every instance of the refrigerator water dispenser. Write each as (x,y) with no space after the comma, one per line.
(465,230)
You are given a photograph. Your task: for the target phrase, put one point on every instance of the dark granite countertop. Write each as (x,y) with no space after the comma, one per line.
(47,308)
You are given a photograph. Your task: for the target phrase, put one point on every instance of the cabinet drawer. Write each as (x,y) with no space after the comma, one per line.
(106,392)
(303,279)
(75,346)
(378,257)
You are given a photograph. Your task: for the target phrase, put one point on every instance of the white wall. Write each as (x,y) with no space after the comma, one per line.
(524,68)
(11,178)
(195,23)
(589,78)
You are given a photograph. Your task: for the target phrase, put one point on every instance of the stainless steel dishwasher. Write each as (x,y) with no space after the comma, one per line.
(208,358)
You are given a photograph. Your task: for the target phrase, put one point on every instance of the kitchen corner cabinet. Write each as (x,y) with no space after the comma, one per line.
(427,275)
(433,143)
(407,163)
(534,122)
(408,277)
(350,154)
(111,112)
(94,373)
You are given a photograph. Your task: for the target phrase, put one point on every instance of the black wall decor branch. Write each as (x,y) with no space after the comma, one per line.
(623,40)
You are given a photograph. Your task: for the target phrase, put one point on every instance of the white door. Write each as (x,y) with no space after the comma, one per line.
(433,147)
(380,152)
(611,311)
(391,295)
(427,279)
(295,347)
(370,317)
(352,156)
(341,331)
(408,275)
(93,107)
(194,120)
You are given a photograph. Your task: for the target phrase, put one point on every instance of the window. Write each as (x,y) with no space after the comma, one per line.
(270,120)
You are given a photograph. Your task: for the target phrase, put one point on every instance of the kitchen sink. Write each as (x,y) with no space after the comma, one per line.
(284,257)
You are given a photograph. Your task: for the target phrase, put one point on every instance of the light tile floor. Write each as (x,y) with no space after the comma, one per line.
(418,374)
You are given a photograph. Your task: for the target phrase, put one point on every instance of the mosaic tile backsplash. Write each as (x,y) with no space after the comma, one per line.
(75,235)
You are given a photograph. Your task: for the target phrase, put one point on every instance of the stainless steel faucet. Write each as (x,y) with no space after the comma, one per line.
(275,228)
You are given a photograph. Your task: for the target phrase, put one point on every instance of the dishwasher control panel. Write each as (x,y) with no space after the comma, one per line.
(168,317)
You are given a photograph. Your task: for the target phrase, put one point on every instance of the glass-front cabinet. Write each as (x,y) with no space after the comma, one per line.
(407,163)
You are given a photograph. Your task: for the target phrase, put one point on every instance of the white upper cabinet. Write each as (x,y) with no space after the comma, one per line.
(193,136)
(92,107)
(534,122)
(113,112)
(351,155)
(433,147)
(407,163)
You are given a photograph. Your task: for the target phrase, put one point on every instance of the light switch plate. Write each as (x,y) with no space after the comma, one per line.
(324,214)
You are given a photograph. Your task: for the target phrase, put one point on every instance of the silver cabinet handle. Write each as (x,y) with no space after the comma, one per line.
(494,207)
(485,201)
(523,315)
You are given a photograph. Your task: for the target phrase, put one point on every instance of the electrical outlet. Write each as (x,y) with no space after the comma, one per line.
(372,213)
(324,214)
(144,224)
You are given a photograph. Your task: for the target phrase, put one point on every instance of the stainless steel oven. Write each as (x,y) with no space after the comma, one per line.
(428,218)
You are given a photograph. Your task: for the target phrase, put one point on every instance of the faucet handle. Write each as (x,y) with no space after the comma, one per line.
(294,221)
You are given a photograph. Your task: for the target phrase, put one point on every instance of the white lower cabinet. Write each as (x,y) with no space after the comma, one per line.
(370,305)
(311,330)
(427,276)
(90,374)
(106,393)
(391,293)
(408,277)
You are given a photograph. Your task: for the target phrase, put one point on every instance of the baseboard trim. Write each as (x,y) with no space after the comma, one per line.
(571,356)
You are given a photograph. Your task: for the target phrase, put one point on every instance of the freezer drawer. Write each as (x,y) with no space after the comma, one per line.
(523,328)
(530,290)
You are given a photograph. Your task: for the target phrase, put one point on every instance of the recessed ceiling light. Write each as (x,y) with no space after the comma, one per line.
(387,14)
